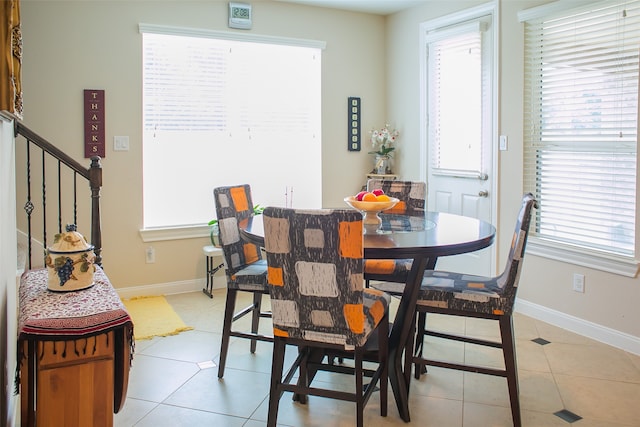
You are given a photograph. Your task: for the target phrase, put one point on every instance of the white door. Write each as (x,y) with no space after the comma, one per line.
(459,126)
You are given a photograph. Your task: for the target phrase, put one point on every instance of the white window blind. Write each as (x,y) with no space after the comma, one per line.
(581,107)
(456,90)
(219,111)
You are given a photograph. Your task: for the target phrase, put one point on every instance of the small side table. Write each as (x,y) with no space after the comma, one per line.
(210,252)
(390,177)
(75,351)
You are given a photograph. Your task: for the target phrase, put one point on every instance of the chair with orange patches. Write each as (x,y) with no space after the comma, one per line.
(319,303)
(412,194)
(246,271)
(457,294)
(393,272)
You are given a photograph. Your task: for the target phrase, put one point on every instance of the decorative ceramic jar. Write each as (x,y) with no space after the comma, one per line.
(70,262)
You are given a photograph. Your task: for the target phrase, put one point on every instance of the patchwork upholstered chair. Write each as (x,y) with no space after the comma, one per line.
(319,304)
(393,272)
(246,271)
(478,297)
(412,194)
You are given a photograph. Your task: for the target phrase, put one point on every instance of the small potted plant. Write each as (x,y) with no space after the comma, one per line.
(214,231)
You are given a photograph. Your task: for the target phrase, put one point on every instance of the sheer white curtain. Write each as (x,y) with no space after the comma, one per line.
(225,112)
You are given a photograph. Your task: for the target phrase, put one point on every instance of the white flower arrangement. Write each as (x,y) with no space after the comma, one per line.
(383,141)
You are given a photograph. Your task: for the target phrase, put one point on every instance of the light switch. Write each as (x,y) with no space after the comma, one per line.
(120,143)
(503,142)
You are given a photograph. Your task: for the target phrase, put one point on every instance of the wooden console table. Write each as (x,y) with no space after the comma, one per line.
(75,351)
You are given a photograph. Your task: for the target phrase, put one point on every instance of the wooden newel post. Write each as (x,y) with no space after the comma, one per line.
(95,182)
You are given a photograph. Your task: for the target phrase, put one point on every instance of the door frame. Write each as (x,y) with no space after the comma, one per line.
(492,9)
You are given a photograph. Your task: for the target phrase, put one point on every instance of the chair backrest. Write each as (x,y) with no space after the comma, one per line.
(508,280)
(315,273)
(233,205)
(412,194)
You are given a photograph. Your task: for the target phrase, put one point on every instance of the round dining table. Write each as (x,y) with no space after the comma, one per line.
(420,236)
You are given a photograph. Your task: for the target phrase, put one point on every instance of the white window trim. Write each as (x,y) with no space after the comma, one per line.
(556,6)
(623,266)
(226,35)
(174,233)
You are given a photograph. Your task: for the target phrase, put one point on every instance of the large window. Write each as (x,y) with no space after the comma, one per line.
(581,107)
(223,110)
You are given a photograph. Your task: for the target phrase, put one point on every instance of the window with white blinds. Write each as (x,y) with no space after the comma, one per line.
(222,110)
(580,124)
(455,92)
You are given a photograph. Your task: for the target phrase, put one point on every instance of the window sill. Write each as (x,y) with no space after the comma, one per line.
(174,233)
(624,266)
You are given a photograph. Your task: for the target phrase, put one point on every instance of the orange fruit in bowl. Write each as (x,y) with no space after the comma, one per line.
(382,198)
(369,197)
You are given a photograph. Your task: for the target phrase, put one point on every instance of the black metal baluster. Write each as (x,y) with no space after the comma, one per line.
(28,206)
(75,197)
(59,199)
(44,202)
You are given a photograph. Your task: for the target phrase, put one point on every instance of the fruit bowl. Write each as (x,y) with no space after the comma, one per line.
(371,209)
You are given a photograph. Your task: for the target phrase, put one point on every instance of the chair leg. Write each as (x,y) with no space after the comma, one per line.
(359,387)
(383,358)
(226,329)
(419,345)
(305,376)
(255,318)
(509,350)
(275,392)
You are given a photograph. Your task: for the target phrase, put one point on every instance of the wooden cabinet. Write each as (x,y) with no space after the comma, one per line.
(73,380)
(78,377)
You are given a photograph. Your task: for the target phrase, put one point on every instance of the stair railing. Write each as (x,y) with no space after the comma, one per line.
(66,174)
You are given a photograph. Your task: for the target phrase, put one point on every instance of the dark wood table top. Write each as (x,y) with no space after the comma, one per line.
(430,234)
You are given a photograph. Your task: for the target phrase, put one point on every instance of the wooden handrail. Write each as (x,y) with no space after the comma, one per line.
(21,129)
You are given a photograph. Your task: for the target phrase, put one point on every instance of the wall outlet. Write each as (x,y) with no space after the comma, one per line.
(578,282)
(151,255)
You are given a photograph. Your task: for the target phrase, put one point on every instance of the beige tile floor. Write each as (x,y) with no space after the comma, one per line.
(173,381)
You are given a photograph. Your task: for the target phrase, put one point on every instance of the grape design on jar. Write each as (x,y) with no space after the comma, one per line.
(65,270)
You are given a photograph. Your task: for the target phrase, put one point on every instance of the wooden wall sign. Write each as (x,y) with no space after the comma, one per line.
(353,120)
(94,143)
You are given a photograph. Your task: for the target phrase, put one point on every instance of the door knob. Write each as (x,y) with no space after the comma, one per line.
(483,193)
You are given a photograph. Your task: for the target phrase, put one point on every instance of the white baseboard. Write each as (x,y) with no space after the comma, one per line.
(170,288)
(612,337)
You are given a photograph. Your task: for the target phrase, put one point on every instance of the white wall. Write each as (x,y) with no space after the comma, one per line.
(74,45)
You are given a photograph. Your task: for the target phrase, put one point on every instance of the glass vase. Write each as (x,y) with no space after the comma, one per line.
(382,165)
